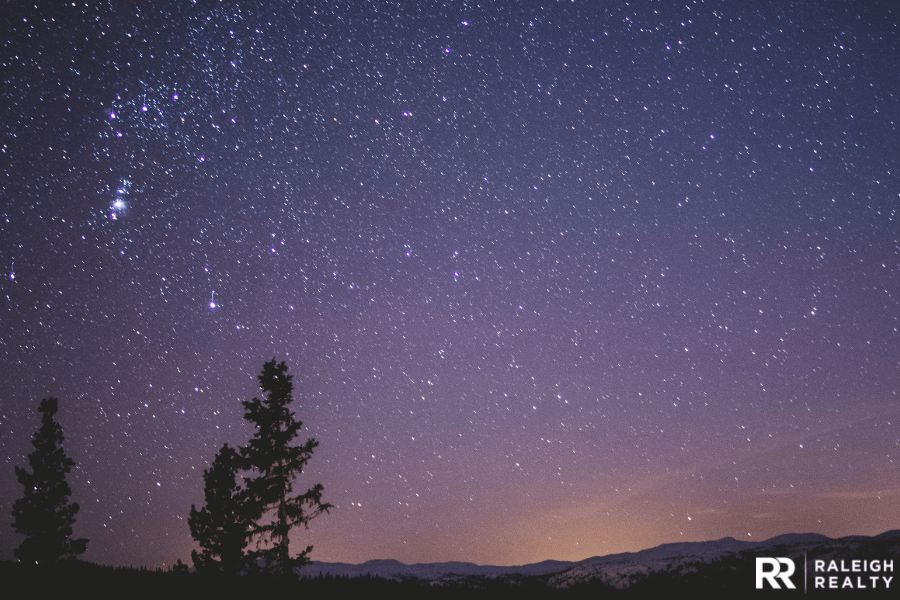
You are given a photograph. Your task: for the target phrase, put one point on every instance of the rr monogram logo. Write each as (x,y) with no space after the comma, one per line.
(773,569)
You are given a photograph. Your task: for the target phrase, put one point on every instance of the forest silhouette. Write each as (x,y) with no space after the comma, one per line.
(250,507)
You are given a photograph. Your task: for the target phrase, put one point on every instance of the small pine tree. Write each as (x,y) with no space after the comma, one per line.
(276,462)
(44,514)
(222,527)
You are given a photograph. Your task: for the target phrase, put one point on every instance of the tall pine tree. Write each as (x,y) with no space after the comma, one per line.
(44,514)
(275,463)
(222,527)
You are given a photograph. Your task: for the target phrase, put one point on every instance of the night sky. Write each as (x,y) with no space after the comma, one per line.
(554,279)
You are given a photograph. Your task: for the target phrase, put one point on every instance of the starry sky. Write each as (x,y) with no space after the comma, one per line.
(554,279)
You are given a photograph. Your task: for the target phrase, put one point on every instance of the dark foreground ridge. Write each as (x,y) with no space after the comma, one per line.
(698,569)
(624,571)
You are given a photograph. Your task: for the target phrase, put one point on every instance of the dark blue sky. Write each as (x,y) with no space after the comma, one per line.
(554,280)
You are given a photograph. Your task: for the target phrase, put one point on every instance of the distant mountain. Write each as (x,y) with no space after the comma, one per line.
(445,571)
(799,538)
(619,570)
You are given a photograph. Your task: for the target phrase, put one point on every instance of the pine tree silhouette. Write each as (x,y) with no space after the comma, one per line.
(276,463)
(44,514)
(222,527)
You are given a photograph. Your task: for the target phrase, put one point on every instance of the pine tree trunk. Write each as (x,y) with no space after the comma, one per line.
(284,554)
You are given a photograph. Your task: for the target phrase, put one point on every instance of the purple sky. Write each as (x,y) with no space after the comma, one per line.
(553,280)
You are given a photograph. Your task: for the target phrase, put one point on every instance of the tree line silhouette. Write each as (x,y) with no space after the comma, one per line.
(250,505)
(244,525)
(260,507)
(43,514)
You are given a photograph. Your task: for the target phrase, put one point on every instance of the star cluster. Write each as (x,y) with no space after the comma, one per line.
(554,280)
